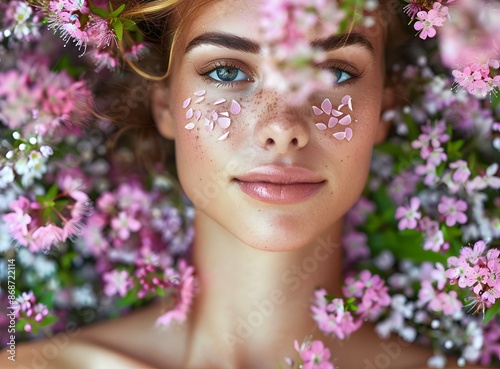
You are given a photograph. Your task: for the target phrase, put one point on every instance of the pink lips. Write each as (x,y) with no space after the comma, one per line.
(280,185)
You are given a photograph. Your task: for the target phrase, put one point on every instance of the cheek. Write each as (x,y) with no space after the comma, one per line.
(210,116)
(337,117)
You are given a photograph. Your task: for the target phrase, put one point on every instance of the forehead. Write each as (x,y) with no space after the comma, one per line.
(242,18)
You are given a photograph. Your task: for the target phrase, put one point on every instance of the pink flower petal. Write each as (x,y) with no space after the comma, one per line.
(200,93)
(346,120)
(321,126)
(332,122)
(348,133)
(189,126)
(235,107)
(186,103)
(200,99)
(317,110)
(336,113)
(339,135)
(326,105)
(215,116)
(224,122)
(219,101)
(224,114)
(210,126)
(223,137)
(347,100)
(189,113)
(197,114)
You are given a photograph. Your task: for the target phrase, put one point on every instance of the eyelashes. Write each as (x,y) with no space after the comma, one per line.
(226,73)
(232,74)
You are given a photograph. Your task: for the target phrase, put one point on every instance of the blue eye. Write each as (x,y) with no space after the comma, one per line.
(228,74)
(341,75)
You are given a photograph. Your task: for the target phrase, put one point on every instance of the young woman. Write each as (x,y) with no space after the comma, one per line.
(270,201)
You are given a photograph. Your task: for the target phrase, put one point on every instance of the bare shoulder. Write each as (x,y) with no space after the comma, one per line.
(390,353)
(130,342)
(72,354)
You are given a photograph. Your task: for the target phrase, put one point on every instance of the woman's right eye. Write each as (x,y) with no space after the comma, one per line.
(227,74)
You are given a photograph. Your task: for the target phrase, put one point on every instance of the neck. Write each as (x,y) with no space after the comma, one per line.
(253,298)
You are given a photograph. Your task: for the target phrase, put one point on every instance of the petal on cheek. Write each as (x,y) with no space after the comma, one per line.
(221,118)
(235,107)
(223,137)
(336,117)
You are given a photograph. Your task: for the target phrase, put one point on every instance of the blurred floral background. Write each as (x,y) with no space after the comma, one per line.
(89,232)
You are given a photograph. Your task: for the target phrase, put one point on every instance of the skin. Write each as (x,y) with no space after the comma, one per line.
(252,257)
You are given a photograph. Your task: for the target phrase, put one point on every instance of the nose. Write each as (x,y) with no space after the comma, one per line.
(283,130)
(283,138)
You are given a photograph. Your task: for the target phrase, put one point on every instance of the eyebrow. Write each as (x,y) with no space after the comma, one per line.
(226,40)
(338,41)
(244,44)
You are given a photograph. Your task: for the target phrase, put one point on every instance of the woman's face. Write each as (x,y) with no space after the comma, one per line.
(302,179)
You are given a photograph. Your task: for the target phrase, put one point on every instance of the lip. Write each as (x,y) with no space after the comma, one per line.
(280,185)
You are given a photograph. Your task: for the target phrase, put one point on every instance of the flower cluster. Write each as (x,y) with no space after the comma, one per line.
(290,59)
(433,190)
(20,22)
(366,297)
(313,355)
(82,238)
(32,314)
(427,15)
(478,271)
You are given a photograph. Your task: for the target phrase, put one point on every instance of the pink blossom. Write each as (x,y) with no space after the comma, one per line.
(331,317)
(462,172)
(488,180)
(412,9)
(117,282)
(186,290)
(448,303)
(123,224)
(453,210)
(45,237)
(355,245)
(408,215)
(314,355)
(428,20)
(370,290)
(428,171)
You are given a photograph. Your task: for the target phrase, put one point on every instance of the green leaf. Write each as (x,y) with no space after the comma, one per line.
(118,11)
(103,13)
(48,320)
(118,27)
(129,24)
(52,192)
(129,299)
(160,291)
(491,312)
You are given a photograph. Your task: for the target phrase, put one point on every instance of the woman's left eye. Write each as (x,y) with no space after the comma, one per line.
(341,75)
(228,74)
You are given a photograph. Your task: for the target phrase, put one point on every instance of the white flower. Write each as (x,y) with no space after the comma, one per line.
(44,267)
(6,176)
(436,361)
(83,296)
(25,257)
(6,241)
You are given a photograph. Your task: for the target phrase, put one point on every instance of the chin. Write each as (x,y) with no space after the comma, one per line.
(279,239)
